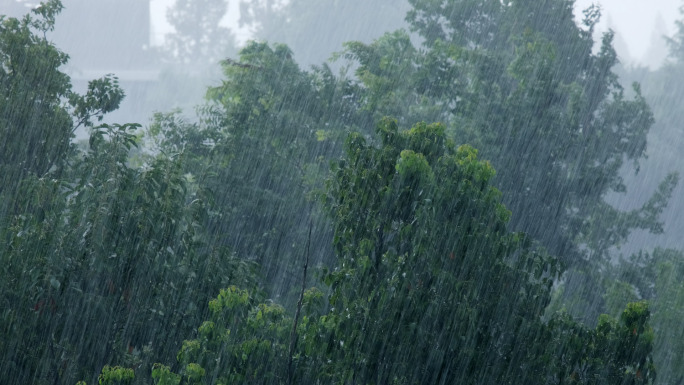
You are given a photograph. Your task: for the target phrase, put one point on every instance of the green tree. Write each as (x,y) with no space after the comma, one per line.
(38,111)
(656,277)
(244,340)
(117,261)
(430,288)
(36,128)
(96,245)
(536,104)
(519,81)
(115,376)
(615,352)
(260,148)
(247,338)
(426,265)
(668,307)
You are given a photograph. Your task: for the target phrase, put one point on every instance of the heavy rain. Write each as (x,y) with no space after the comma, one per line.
(341,192)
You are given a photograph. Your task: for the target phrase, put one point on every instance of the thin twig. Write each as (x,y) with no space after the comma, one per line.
(293,335)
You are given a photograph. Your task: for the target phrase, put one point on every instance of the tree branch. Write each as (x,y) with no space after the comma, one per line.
(293,335)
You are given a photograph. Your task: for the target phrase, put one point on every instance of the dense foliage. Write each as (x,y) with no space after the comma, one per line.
(521,82)
(292,233)
(409,290)
(260,149)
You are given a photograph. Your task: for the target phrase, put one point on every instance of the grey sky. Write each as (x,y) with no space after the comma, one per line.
(635,20)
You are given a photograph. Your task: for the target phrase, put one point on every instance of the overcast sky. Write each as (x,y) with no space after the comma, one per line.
(634,20)
(161,27)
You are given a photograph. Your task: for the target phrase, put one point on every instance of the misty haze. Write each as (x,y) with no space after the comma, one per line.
(341,192)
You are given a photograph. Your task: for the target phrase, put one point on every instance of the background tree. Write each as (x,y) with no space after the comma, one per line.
(199,38)
(188,60)
(653,274)
(316,29)
(662,88)
(676,42)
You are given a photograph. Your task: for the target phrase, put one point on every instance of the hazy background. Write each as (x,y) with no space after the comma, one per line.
(639,24)
(161,27)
